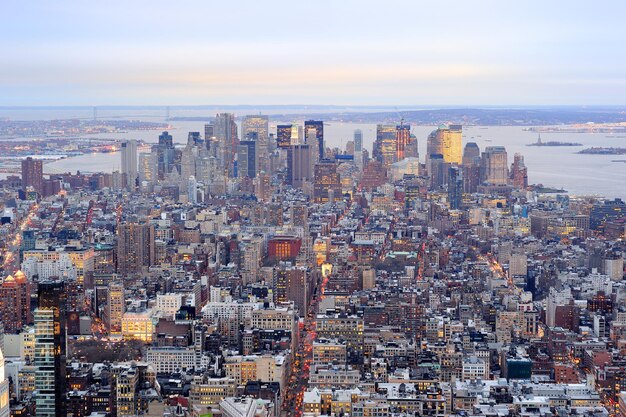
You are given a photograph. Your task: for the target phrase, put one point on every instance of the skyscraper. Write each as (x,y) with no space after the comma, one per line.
(358,140)
(258,124)
(327,185)
(471,154)
(403,138)
(148,167)
(115,307)
(135,247)
(447,141)
(494,166)
(437,169)
(385,149)
(32,174)
(50,350)
(226,135)
(318,127)
(519,172)
(256,128)
(455,187)
(129,163)
(299,163)
(283,136)
(164,154)
(247,158)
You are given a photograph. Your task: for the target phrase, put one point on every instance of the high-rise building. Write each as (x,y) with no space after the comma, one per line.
(283,136)
(15,302)
(494,166)
(385,145)
(327,185)
(10,303)
(50,350)
(116,306)
(247,158)
(471,154)
(257,124)
(164,154)
(358,140)
(447,141)
(129,163)
(403,139)
(519,172)
(455,187)
(148,168)
(226,135)
(471,167)
(32,174)
(299,165)
(256,128)
(318,127)
(135,247)
(438,170)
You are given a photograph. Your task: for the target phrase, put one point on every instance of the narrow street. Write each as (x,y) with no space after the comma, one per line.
(292,403)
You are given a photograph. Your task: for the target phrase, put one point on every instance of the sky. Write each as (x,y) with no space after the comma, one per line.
(348,52)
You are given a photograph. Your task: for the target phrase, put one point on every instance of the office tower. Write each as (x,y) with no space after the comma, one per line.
(471,167)
(403,138)
(283,136)
(50,350)
(129,163)
(247,158)
(4,390)
(289,283)
(447,141)
(209,132)
(116,305)
(438,171)
(471,178)
(318,127)
(32,174)
(327,185)
(148,167)
(164,154)
(358,140)
(188,159)
(494,166)
(603,212)
(519,172)
(257,124)
(256,128)
(471,154)
(192,190)
(210,141)
(385,145)
(226,136)
(135,247)
(455,187)
(194,139)
(10,304)
(299,163)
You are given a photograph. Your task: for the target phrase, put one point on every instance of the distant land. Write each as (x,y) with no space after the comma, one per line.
(465,116)
(417,115)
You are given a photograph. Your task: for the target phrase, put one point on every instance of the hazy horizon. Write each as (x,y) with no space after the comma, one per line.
(469,54)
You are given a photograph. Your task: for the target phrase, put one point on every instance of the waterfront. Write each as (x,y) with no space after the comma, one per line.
(551,166)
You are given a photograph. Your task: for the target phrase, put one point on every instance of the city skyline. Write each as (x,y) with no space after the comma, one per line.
(402,54)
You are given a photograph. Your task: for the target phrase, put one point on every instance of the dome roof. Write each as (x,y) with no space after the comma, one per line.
(20,276)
